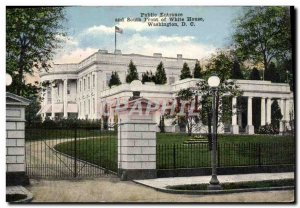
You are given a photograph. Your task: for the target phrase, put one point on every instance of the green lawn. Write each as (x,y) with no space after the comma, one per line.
(178,138)
(238,185)
(238,150)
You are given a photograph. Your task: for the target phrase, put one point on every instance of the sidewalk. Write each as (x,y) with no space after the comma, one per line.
(161,183)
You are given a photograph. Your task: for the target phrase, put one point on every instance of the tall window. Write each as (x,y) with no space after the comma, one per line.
(89,82)
(80,86)
(68,88)
(171,80)
(89,104)
(94,104)
(49,94)
(84,84)
(94,80)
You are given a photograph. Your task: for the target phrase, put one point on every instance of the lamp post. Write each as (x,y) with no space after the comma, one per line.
(214,183)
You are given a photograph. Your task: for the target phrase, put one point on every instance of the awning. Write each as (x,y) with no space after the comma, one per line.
(58,108)
(72,108)
(45,109)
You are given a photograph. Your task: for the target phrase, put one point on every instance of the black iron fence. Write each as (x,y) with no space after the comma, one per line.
(70,149)
(176,156)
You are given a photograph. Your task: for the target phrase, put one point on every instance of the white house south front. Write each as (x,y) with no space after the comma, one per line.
(73,90)
(81,90)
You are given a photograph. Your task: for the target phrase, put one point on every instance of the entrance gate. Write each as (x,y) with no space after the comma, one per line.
(70,149)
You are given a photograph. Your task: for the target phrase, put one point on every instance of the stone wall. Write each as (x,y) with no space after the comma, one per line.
(15,141)
(137,148)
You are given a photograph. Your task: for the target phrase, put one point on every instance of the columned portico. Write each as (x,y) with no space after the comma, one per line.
(65,93)
(249,127)
(234,126)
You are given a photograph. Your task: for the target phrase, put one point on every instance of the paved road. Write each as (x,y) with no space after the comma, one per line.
(113,190)
(43,161)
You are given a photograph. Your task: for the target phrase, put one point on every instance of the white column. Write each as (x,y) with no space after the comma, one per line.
(287,114)
(96,96)
(281,123)
(234,126)
(287,110)
(249,112)
(263,111)
(269,110)
(249,127)
(65,95)
(52,101)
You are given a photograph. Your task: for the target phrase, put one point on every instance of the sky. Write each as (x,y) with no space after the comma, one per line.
(92,28)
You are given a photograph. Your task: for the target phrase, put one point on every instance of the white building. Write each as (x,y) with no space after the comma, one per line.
(81,90)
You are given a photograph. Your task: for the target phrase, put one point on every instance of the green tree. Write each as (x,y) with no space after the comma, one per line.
(114,79)
(271,73)
(185,72)
(32,35)
(236,72)
(287,72)
(160,74)
(197,70)
(187,121)
(254,75)
(132,73)
(148,77)
(263,34)
(221,66)
(276,115)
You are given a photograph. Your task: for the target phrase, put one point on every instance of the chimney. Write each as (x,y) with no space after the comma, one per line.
(102,51)
(157,55)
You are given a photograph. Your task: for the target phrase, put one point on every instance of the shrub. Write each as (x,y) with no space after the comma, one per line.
(267,129)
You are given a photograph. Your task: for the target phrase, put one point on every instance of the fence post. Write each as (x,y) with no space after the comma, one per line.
(75,151)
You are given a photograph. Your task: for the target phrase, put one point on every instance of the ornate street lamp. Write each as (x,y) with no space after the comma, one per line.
(214,183)
(8,79)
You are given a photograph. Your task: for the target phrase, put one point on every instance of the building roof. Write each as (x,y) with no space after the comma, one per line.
(12,99)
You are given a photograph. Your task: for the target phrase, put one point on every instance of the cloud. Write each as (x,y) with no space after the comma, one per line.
(137,26)
(177,39)
(68,41)
(168,46)
(140,44)
(100,29)
(74,56)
